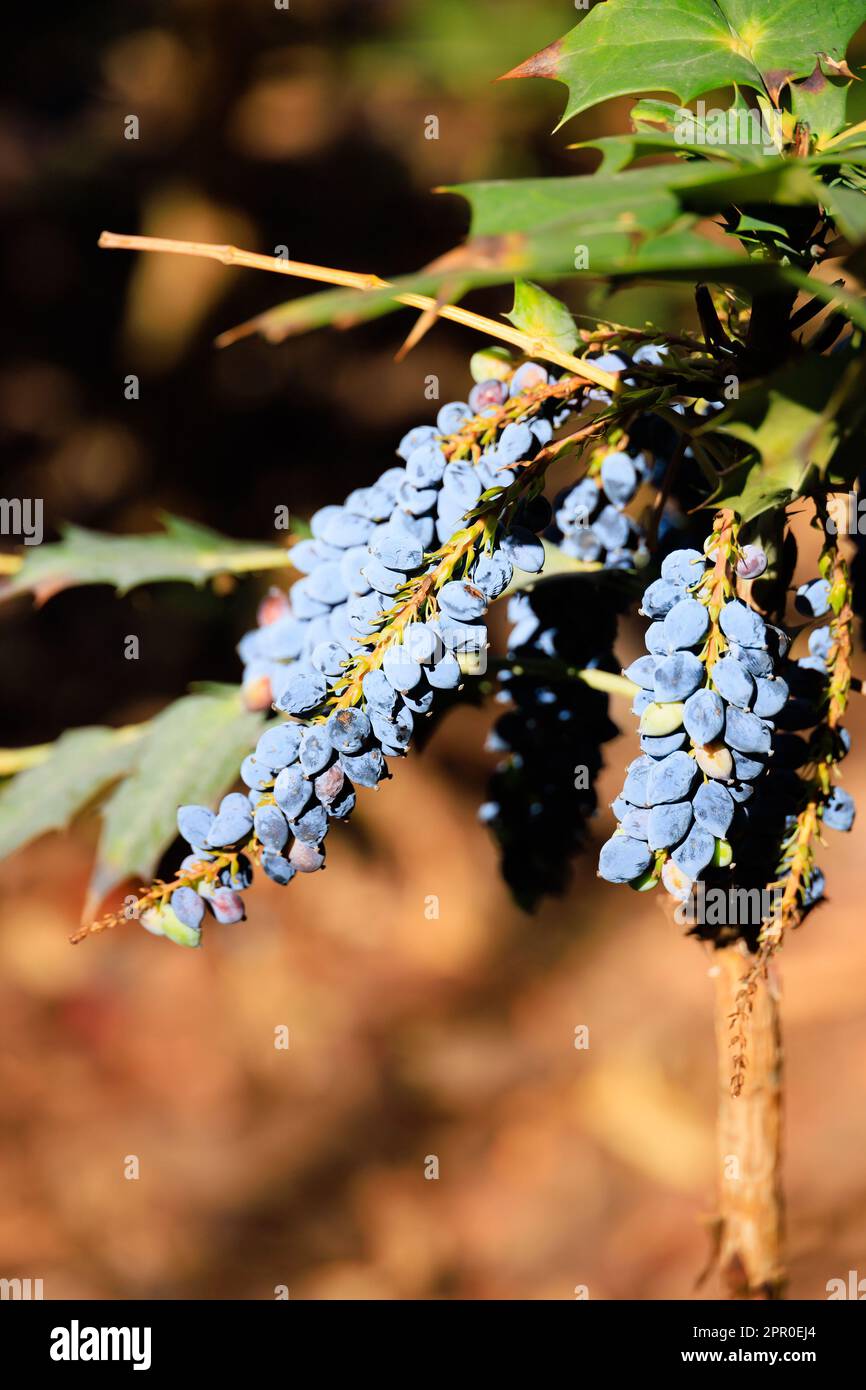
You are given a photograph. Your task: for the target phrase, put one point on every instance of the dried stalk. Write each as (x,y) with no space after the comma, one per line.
(233,255)
(751,1205)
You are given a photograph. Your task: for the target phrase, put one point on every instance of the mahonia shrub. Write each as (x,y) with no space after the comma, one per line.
(680,457)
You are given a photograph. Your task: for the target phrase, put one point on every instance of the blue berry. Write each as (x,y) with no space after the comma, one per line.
(770,696)
(623,859)
(397,549)
(714,808)
(813,598)
(642,671)
(445,674)
(635,786)
(695,852)
(839,810)
(671,779)
(401,668)
(187,907)
(233,822)
(659,746)
(451,416)
(194,822)
(255,774)
(277,868)
(733,682)
(668,824)
(349,729)
(683,567)
(677,677)
(686,624)
(619,478)
(311,826)
(366,769)
(659,598)
(462,600)
(271,827)
(746,732)
(303,690)
(292,791)
(743,625)
(704,716)
(426,464)
(316,749)
(523,550)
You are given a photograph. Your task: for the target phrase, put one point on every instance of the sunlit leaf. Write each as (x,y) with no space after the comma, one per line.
(190,753)
(690,47)
(80,765)
(183,551)
(803,420)
(542,317)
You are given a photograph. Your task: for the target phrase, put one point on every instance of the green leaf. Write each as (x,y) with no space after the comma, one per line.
(804,419)
(543,318)
(819,102)
(735,133)
(778,543)
(847,207)
(80,765)
(190,753)
(690,47)
(183,551)
(641,221)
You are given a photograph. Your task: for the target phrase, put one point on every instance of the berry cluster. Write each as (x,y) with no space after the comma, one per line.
(709,690)
(542,791)
(380,621)
(727,790)
(591,522)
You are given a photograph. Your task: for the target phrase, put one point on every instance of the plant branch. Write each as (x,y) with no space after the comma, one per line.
(233,255)
(751,1213)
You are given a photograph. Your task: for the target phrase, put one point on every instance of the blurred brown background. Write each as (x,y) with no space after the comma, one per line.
(408,1037)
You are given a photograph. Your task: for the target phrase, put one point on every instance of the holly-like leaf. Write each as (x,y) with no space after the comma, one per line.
(819,102)
(641,221)
(736,133)
(771,532)
(183,551)
(190,753)
(80,765)
(804,419)
(542,317)
(847,207)
(690,47)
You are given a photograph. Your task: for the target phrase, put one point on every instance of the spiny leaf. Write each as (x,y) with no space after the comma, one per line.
(847,207)
(81,764)
(689,47)
(183,551)
(644,220)
(819,102)
(190,753)
(735,133)
(543,317)
(804,419)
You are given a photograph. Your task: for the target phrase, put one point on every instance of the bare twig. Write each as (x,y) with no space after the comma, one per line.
(751,1211)
(233,255)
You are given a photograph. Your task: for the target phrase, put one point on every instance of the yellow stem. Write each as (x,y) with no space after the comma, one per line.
(233,255)
(14,760)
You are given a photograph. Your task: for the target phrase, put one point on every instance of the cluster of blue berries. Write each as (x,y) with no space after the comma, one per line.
(590,518)
(550,738)
(717,785)
(591,521)
(706,731)
(363,554)
(351,656)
